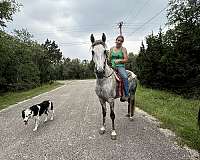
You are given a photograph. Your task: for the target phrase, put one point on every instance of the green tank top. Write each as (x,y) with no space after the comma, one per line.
(117,55)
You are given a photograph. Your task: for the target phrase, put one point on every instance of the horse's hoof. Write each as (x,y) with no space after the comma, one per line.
(131,118)
(113,135)
(102,130)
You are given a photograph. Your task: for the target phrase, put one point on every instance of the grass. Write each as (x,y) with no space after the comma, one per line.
(10,98)
(176,113)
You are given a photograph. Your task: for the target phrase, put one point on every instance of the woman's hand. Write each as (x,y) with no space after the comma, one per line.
(117,61)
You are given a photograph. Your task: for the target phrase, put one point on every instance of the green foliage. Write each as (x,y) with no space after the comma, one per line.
(25,64)
(131,64)
(184,11)
(53,52)
(23,35)
(75,69)
(9,98)
(171,60)
(7,9)
(175,112)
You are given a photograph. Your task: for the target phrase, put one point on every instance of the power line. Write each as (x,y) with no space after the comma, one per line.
(146,2)
(75,27)
(68,45)
(80,30)
(136,24)
(157,14)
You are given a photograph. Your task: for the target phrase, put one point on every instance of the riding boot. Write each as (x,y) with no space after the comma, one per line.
(124,99)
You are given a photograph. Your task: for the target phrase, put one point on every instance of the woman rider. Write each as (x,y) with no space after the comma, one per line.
(118,57)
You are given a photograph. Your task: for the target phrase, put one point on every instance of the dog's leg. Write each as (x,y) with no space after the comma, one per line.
(52,110)
(52,115)
(46,113)
(46,118)
(37,119)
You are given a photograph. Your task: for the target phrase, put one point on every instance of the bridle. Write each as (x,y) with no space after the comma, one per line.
(109,75)
(99,42)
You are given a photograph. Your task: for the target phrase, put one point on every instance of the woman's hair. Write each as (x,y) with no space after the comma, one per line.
(120,36)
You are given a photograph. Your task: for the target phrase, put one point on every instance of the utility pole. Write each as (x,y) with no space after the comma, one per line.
(120,24)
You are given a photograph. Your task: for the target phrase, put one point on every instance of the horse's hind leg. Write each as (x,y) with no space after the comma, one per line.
(129,110)
(112,116)
(132,107)
(103,104)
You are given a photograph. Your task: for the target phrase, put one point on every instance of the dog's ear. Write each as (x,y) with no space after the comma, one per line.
(92,38)
(104,37)
(23,114)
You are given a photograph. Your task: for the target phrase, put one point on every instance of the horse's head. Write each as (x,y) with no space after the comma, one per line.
(99,55)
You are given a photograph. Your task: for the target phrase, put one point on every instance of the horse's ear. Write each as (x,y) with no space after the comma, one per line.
(92,38)
(104,37)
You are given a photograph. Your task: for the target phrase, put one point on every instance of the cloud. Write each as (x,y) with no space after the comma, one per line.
(70,22)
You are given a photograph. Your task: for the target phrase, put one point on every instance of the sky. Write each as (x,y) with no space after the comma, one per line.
(71,22)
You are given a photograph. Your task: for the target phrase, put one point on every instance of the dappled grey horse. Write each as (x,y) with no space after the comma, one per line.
(106,83)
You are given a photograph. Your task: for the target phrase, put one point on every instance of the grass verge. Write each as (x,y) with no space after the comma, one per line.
(176,113)
(10,98)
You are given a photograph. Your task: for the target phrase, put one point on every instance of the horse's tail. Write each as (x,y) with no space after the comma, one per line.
(199,118)
(132,82)
(133,86)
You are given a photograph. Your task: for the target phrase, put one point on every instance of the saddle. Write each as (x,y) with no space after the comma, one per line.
(120,84)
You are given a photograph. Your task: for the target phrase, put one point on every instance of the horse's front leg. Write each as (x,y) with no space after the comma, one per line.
(103,104)
(112,116)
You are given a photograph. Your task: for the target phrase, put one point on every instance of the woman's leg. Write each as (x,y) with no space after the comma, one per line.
(124,76)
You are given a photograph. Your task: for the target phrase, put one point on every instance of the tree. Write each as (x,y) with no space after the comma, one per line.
(172,60)
(53,51)
(184,11)
(131,64)
(7,9)
(23,35)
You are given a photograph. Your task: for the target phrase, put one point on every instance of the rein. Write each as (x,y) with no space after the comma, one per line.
(109,75)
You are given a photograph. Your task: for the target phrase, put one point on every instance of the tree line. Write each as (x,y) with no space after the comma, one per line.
(171,60)
(25,64)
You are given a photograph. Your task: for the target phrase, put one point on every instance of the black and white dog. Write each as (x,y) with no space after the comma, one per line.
(36,111)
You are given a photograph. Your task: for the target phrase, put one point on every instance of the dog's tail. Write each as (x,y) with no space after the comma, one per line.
(199,118)
(51,105)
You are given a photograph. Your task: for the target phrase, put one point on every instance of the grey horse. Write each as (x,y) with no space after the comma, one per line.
(106,83)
